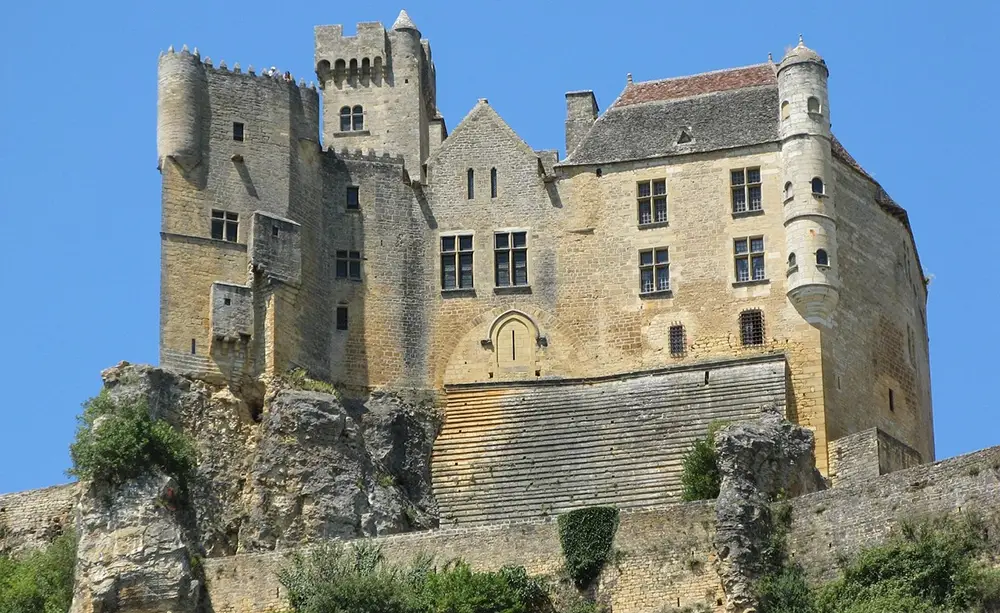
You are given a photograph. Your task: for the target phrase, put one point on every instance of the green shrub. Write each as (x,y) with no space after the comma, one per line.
(337,579)
(39,581)
(299,379)
(126,443)
(785,591)
(586,536)
(701,477)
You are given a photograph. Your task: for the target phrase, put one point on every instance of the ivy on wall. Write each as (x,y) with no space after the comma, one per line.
(586,536)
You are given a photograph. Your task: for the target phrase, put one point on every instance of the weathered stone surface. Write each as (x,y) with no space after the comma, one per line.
(134,554)
(760,461)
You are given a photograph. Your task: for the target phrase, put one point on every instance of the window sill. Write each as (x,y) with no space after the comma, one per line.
(823,195)
(751,283)
(792,270)
(753,213)
(662,293)
(352,133)
(823,266)
(459,292)
(512,289)
(654,224)
(352,209)
(349,279)
(788,199)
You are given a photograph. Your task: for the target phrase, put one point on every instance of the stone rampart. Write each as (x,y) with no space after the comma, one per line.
(33,518)
(665,554)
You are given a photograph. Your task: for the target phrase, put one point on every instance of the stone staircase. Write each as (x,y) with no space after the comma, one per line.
(520,451)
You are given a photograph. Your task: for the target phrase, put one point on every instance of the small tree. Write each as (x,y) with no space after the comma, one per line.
(701,477)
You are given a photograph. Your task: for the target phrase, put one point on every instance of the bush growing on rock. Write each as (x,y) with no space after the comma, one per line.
(39,581)
(119,440)
(701,477)
(334,578)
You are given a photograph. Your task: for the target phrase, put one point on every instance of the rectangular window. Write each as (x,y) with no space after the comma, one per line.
(225,225)
(746,190)
(510,258)
(651,200)
(752,328)
(353,197)
(749,255)
(341,318)
(237,131)
(349,265)
(678,341)
(456,262)
(654,271)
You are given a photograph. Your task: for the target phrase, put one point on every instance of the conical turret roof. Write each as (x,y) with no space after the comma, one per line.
(800,53)
(403,22)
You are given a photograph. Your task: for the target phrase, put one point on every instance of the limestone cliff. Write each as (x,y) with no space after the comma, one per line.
(279,466)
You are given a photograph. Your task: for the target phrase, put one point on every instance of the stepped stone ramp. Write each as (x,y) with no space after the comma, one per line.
(527,450)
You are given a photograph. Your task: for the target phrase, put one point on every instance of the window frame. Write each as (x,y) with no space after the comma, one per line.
(822,186)
(752,331)
(744,188)
(342,318)
(494,183)
(357,118)
(750,256)
(345,115)
(356,191)
(347,264)
(650,201)
(654,267)
(470,184)
(825,257)
(224,220)
(510,251)
(239,130)
(455,255)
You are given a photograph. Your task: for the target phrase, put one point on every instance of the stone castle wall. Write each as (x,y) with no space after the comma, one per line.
(32,519)
(667,553)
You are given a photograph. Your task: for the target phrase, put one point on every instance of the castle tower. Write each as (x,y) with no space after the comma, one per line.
(809,190)
(181,108)
(378,90)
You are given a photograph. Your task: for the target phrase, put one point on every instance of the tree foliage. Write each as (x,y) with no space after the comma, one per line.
(701,477)
(118,440)
(334,578)
(39,581)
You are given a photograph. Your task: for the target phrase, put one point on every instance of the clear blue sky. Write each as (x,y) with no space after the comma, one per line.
(913,98)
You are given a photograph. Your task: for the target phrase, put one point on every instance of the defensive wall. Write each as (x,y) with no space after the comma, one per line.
(666,554)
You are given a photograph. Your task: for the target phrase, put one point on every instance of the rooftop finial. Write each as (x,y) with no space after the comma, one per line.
(403,22)
(802,43)
(770,58)
(628,78)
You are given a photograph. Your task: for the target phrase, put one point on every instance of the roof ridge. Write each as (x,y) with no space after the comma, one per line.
(702,74)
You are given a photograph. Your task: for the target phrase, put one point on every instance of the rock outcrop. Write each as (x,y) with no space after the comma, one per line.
(760,461)
(279,466)
(134,553)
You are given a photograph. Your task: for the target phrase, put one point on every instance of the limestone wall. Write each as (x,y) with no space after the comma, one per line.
(666,554)
(32,519)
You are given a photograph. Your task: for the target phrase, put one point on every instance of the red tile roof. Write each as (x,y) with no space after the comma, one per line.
(684,87)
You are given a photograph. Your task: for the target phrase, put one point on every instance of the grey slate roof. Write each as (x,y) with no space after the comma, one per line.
(717,120)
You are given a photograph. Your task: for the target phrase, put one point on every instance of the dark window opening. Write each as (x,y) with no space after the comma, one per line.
(654,270)
(752,328)
(749,258)
(822,259)
(274,230)
(470,184)
(192,347)
(358,118)
(678,340)
(227,301)
(225,225)
(345,119)
(353,197)
(791,260)
(348,265)
(817,186)
(341,318)
(892,400)
(493,182)
(510,258)
(456,262)
(238,131)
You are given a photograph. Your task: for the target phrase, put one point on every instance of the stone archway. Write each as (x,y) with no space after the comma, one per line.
(514,337)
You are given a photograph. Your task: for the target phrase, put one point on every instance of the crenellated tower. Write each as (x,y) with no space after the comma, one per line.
(379,91)
(809,190)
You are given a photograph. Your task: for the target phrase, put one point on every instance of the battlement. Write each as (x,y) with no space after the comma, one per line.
(266,76)
(370,156)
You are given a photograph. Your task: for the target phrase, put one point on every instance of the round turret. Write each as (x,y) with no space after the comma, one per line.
(181,107)
(809,190)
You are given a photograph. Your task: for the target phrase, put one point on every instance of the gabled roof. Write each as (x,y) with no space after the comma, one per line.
(481,112)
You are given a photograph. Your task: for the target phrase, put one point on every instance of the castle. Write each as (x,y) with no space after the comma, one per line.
(705,247)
